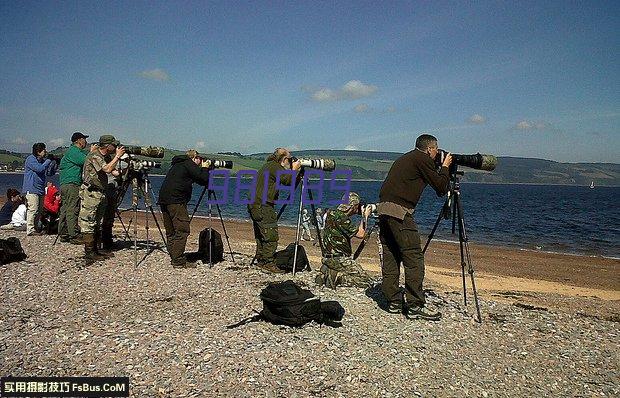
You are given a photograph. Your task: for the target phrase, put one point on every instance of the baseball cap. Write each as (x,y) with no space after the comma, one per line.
(77,135)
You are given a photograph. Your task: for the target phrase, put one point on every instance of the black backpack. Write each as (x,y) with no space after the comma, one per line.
(285,303)
(11,250)
(216,248)
(284,258)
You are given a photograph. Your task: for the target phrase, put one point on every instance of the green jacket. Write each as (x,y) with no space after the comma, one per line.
(270,168)
(71,165)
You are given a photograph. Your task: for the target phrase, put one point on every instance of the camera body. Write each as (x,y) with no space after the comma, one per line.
(478,161)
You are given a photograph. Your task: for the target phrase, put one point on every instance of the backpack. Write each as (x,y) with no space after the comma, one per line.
(11,250)
(285,303)
(284,258)
(216,248)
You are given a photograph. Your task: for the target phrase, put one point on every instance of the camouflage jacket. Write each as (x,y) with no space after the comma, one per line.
(92,174)
(337,234)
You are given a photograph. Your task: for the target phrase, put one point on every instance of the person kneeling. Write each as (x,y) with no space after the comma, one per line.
(338,268)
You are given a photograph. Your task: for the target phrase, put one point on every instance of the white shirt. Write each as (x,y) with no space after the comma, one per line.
(19,216)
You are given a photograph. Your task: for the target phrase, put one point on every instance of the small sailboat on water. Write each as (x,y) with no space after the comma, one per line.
(592,185)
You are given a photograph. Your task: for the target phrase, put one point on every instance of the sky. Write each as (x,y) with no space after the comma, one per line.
(531,79)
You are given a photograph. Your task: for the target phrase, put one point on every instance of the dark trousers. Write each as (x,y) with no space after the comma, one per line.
(400,241)
(69,210)
(176,223)
(265,222)
(107,223)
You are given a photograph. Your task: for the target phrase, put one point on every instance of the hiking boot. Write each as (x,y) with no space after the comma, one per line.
(422,313)
(270,268)
(90,251)
(395,307)
(183,264)
(64,238)
(76,240)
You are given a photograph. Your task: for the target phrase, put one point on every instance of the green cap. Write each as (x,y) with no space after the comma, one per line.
(352,200)
(108,139)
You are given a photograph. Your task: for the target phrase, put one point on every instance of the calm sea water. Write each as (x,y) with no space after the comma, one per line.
(564,219)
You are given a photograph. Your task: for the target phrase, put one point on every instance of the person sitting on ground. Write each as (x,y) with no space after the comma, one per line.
(51,207)
(12,201)
(18,219)
(338,268)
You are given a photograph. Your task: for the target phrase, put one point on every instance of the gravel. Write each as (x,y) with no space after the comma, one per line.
(166,329)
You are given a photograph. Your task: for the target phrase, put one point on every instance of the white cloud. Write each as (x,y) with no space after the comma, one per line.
(351,148)
(55,143)
(477,119)
(201,144)
(294,147)
(155,74)
(528,125)
(524,125)
(391,109)
(324,95)
(134,142)
(351,90)
(361,108)
(355,89)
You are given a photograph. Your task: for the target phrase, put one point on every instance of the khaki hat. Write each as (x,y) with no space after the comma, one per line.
(108,139)
(352,200)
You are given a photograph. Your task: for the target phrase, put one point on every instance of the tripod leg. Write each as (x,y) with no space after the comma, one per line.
(125,229)
(461,243)
(470,267)
(202,194)
(316,223)
(219,212)
(439,217)
(135,236)
(161,233)
(301,205)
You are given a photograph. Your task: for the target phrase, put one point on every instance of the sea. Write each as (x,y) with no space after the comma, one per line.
(549,218)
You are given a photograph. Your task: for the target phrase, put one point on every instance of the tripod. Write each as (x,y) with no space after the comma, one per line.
(140,188)
(209,215)
(453,207)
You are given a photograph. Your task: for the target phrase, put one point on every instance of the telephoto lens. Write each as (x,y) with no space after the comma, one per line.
(148,151)
(321,164)
(217,164)
(478,161)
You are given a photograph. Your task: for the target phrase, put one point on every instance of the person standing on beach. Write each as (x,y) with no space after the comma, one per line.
(36,169)
(398,232)
(338,267)
(71,166)
(262,211)
(97,165)
(175,193)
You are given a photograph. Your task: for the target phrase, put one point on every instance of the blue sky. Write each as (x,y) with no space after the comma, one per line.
(533,79)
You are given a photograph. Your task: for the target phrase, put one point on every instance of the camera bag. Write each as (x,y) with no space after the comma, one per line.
(285,303)
(216,248)
(284,259)
(11,250)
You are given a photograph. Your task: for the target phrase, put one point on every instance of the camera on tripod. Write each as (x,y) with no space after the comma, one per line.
(320,164)
(477,161)
(217,164)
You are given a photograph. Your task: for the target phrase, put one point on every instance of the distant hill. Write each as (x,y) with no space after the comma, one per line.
(375,165)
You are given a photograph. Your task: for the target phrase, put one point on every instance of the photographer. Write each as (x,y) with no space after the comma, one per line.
(338,268)
(399,235)
(70,181)
(36,169)
(264,217)
(175,193)
(97,166)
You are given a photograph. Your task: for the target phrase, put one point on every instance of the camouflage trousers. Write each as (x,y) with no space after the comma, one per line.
(92,209)
(343,271)
(265,221)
